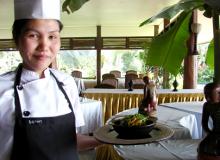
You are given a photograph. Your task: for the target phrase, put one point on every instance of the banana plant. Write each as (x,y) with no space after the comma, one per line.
(72,5)
(168,50)
(171,11)
(210,56)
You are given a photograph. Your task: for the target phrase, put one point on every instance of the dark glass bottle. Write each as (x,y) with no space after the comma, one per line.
(145,106)
(130,85)
(175,85)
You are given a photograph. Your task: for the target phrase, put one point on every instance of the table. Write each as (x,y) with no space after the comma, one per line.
(184,124)
(93,115)
(163,150)
(190,107)
(117,100)
(182,145)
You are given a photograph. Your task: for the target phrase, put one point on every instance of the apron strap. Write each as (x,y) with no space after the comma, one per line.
(18,112)
(60,85)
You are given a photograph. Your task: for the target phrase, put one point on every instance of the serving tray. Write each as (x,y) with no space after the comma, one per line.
(106,134)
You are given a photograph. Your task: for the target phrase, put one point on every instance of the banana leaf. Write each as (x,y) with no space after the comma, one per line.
(173,10)
(72,5)
(210,55)
(169,49)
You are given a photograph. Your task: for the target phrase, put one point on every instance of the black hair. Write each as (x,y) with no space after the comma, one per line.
(209,87)
(20,24)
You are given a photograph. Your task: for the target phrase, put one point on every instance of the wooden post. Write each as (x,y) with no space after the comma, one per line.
(190,61)
(98,49)
(156,69)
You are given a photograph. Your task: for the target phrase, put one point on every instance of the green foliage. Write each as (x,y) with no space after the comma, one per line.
(205,75)
(210,55)
(127,59)
(173,10)
(169,49)
(72,5)
(143,56)
(79,60)
(70,59)
(9,60)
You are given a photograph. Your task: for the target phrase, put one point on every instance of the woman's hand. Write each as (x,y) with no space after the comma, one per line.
(85,142)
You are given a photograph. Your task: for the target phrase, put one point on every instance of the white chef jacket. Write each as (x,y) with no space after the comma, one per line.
(49,102)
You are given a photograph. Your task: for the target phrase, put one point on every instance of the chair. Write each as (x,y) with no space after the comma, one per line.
(77,74)
(131,71)
(104,85)
(111,81)
(138,83)
(116,73)
(141,75)
(108,76)
(129,77)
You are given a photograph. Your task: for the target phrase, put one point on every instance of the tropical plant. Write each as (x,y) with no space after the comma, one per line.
(210,55)
(168,50)
(72,5)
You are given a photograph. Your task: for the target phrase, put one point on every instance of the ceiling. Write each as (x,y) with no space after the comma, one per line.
(116,18)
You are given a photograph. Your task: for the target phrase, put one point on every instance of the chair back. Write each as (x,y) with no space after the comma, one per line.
(138,83)
(108,76)
(131,71)
(104,85)
(111,81)
(77,74)
(116,73)
(129,77)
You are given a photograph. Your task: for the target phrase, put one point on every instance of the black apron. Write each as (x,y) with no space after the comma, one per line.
(43,138)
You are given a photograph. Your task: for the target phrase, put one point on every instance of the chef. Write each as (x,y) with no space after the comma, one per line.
(39,106)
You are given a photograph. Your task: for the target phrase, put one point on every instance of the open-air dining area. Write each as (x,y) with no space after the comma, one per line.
(157,61)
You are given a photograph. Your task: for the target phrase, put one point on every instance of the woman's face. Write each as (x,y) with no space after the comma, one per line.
(39,43)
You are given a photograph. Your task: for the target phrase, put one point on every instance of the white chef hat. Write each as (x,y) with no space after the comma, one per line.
(37,9)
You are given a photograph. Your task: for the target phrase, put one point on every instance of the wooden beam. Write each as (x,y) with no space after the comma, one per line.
(89,43)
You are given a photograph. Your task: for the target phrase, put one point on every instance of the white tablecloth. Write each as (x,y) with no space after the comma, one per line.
(80,84)
(184,124)
(92,111)
(178,147)
(140,91)
(163,150)
(189,107)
